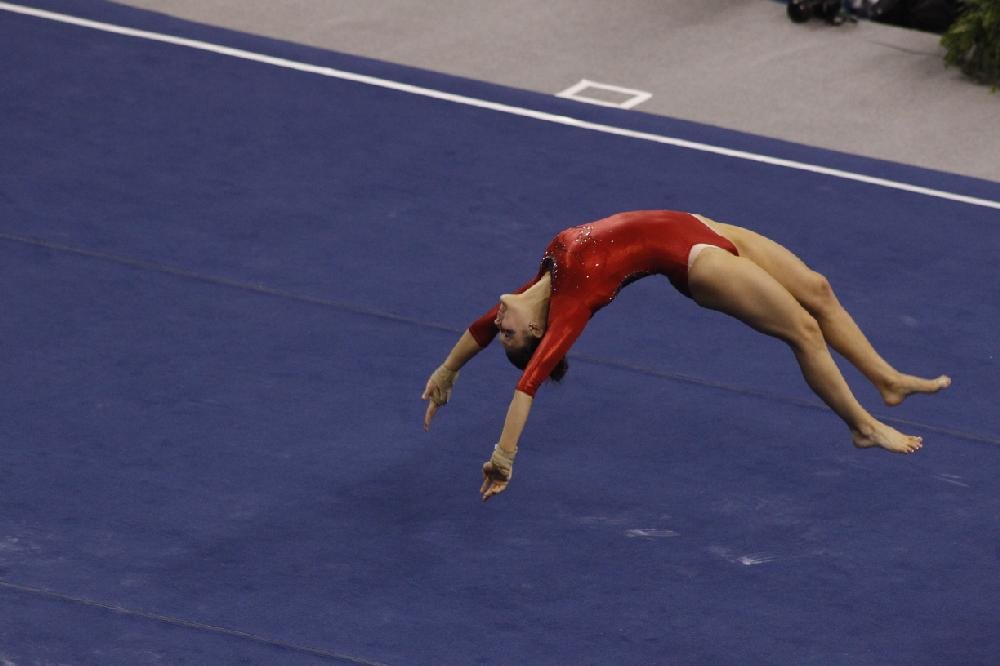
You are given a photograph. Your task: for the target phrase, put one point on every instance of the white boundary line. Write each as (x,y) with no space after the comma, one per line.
(635,97)
(494,106)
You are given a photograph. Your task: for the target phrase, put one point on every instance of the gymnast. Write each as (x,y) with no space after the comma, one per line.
(721,267)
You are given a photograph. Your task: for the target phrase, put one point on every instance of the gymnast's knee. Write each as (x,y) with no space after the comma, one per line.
(805,334)
(820,299)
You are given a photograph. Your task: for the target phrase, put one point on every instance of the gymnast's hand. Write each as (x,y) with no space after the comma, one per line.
(497,472)
(438,391)
(495,480)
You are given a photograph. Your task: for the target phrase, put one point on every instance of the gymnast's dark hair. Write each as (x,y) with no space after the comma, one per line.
(520,356)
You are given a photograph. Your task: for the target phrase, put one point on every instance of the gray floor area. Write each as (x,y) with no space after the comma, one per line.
(867,89)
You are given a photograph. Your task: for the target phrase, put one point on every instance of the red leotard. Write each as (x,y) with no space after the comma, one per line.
(589,264)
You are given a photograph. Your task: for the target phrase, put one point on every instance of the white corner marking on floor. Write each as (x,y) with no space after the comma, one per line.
(750,560)
(650,533)
(632,97)
(952,479)
(495,106)
(747,560)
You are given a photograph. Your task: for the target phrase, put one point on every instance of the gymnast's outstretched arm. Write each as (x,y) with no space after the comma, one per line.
(498,469)
(439,385)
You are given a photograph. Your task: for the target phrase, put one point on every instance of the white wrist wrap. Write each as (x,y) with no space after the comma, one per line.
(445,379)
(502,460)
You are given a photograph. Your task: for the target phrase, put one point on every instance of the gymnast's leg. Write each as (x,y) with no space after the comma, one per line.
(841,332)
(740,288)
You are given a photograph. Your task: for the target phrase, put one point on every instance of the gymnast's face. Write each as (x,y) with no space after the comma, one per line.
(514,322)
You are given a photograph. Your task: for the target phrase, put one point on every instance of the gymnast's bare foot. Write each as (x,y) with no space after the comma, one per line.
(901,387)
(890,439)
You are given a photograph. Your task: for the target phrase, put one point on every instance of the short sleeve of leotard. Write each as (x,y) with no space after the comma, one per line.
(566,322)
(483,329)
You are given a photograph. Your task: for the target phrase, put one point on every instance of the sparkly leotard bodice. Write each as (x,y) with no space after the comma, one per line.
(591,263)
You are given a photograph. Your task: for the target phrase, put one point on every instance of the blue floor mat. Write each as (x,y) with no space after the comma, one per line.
(227,282)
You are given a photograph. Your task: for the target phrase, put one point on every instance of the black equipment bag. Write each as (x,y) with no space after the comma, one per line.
(928,15)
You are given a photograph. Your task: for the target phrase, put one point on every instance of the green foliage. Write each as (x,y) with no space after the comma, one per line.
(973,41)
